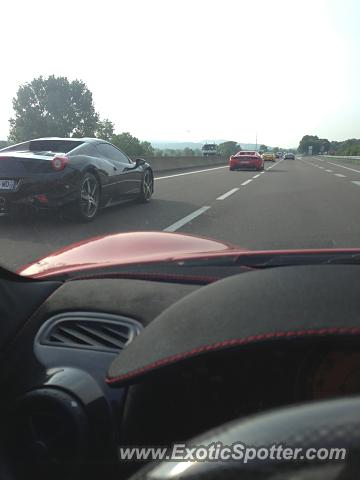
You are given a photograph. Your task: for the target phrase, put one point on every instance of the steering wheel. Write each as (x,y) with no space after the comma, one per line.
(317,430)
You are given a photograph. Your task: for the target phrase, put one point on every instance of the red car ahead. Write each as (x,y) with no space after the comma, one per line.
(246,161)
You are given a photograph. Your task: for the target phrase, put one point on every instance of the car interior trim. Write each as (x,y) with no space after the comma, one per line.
(236,342)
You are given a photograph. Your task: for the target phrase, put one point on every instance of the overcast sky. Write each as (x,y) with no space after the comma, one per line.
(191,70)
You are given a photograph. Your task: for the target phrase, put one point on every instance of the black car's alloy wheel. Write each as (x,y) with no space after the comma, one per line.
(89,202)
(147,187)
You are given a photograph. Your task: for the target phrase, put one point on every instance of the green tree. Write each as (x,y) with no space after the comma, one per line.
(53,106)
(147,149)
(132,145)
(188,152)
(334,147)
(263,148)
(324,145)
(306,142)
(348,147)
(129,144)
(318,145)
(226,149)
(3,144)
(105,130)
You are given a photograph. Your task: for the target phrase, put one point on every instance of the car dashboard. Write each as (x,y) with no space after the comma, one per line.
(58,410)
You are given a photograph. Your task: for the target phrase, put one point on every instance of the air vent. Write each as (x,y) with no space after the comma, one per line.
(90,331)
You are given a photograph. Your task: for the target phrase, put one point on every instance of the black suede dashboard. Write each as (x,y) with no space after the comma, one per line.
(137,299)
(277,304)
(47,380)
(240,345)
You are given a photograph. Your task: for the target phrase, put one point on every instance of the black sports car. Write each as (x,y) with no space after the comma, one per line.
(84,174)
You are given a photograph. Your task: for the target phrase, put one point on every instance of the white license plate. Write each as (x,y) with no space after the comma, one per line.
(7,184)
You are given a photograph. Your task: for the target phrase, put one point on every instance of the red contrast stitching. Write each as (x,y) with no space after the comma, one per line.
(231,343)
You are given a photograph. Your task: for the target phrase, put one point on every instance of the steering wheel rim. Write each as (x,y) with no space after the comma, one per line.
(331,424)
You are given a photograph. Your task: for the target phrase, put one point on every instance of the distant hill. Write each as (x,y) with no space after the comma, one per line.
(194,145)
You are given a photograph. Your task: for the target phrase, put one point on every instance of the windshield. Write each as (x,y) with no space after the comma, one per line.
(129,133)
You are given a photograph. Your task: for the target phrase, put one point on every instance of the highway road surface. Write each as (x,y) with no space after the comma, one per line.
(303,203)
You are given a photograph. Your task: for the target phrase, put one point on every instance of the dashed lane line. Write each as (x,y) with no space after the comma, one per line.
(183,221)
(272,166)
(246,182)
(342,166)
(227,194)
(190,173)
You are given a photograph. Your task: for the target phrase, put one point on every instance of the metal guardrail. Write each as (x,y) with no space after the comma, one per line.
(347,157)
(160,164)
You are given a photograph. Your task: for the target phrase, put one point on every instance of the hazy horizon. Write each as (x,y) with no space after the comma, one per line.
(188,70)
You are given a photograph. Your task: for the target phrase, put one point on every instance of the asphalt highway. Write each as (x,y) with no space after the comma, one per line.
(304,203)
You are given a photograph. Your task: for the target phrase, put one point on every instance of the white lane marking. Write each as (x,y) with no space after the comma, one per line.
(277,163)
(330,171)
(190,173)
(246,182)
(227,194)
(347,168)
(356,183)
(258,175)
(183,221)
(339,175)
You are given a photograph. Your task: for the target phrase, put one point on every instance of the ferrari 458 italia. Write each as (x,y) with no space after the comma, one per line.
(78,174)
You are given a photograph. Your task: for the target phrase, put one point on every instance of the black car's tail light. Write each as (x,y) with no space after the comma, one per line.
(58,163)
